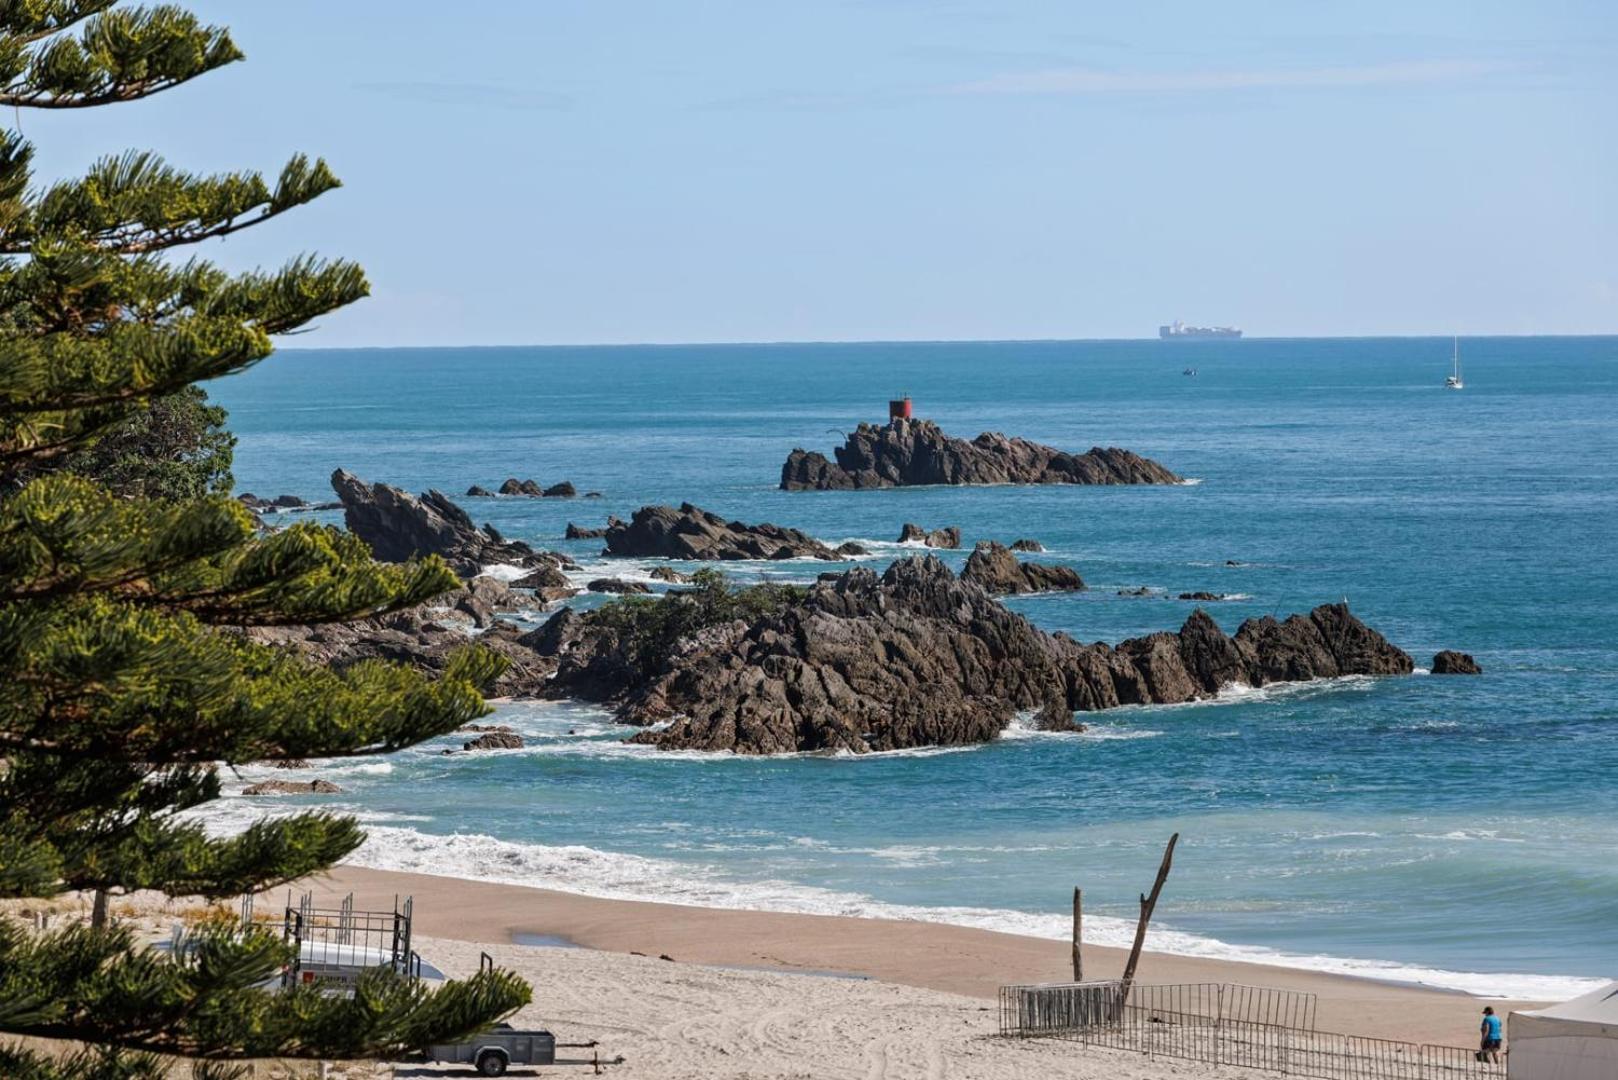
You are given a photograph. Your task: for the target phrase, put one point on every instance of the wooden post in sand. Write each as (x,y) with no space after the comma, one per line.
(1147,903)
(1078,934)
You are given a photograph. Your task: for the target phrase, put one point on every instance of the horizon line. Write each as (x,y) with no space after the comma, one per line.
(921,341)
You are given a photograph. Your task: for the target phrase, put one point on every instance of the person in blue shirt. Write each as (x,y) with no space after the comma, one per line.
(1492,1036)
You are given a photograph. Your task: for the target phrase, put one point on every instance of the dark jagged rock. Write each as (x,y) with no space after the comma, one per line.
(617,585)
(494,740)
(282,504)
(574,532)
(1139,590)
(908,452)
(479,728)
(851,549)
(549,584)
(592,495)
(292,763)
(482,598)
(1027,545)
(948,538)
(399,526)
(669,574)
(293,787)
(1203,597)
(997,571)
(663,532)
(1450,662)
(421,637)
(918,657)
(564,490)
(477,492)
(1323,644)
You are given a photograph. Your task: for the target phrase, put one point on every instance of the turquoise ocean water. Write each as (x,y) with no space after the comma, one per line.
(1462,832)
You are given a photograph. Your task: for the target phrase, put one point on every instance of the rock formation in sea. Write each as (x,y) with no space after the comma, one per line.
(549,584)
(576,532)
(1027,545)
(905,452)
(1450,662)
(997,571)
(293,787)
(1203,597)
(494,740)
(617,585)
(948,538)
(918,657)
(664,532)
(282,503)
(399,526)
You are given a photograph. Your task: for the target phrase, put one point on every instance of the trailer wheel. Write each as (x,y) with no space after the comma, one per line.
(492,1063)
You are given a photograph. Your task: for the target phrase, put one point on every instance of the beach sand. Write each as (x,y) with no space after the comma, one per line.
(961,967)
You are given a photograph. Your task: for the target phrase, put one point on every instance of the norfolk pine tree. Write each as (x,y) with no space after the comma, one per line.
(124,675)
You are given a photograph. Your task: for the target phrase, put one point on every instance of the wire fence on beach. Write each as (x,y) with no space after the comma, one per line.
(1225,1024)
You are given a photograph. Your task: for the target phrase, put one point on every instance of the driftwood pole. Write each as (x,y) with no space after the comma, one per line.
(1147,903)
(1078,935)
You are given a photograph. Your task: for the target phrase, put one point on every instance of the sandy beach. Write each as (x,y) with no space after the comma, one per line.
(738,958)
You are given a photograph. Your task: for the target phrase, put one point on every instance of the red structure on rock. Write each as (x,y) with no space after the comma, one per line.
(899,409)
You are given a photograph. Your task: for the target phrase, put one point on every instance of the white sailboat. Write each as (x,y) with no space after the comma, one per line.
(1453,382)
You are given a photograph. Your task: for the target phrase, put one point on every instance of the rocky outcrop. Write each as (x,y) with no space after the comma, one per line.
(1203,597)
(478,492)
(282,504)
(513,486)
(293,787)
(423,637)
(663,532)
(1027,545)
(850,549)
(948,538)
(619,586)
(549,584)
(482,598)
(575,532)
(399,526)
(1450,662)
(495,740)
(993,568)
(564,490)
(918,657)
(669,574)
(904,452)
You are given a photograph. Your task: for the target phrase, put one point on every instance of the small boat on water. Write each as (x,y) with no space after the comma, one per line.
(1453,382)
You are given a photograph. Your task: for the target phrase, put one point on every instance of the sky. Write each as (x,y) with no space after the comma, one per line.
(597,171)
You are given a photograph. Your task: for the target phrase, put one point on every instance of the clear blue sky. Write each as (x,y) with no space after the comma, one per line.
(568,171)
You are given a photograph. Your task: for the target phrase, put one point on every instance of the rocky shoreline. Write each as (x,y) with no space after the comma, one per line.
(905,452)
(918,657)
(860,661)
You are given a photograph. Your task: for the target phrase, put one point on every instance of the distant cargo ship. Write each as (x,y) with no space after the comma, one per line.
(1178,329)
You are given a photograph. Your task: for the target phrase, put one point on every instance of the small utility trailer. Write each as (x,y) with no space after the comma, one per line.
(497,1050)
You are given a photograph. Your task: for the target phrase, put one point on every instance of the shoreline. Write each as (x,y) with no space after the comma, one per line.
(932,956)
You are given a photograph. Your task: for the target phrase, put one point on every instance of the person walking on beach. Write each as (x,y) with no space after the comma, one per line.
(1490,1029)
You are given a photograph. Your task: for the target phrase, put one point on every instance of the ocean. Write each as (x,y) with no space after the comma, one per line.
(1460,832)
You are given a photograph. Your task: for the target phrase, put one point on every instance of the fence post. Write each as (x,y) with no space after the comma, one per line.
(1078,935)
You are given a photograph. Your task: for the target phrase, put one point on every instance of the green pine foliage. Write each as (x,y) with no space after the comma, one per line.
(127,576)
(649,628)
(174,448)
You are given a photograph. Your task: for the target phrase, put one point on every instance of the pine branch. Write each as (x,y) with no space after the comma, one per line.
(118,55)
(210,1001)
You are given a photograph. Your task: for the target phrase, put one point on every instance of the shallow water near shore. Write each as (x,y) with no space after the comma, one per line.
(1457,831)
